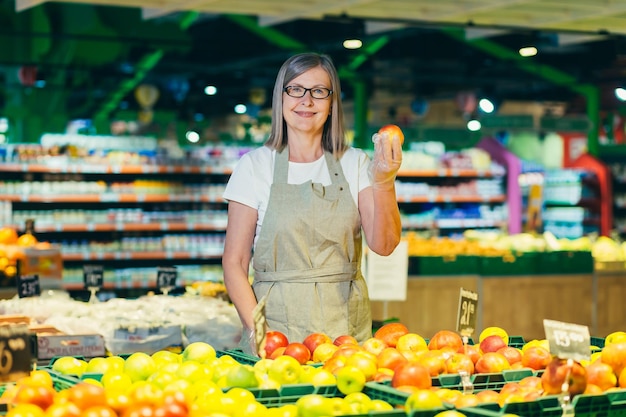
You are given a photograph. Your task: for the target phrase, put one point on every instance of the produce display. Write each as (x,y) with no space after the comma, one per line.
(394,373)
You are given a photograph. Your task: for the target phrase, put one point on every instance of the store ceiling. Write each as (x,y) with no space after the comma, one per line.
(95,52)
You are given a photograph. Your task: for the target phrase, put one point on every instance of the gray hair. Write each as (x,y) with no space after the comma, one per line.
(333,137)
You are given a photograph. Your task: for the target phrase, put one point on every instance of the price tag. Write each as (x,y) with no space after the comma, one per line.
(28,285)
(567,340)
(93,276)
(258,315)
(15,352)
(468,308)
(166,277)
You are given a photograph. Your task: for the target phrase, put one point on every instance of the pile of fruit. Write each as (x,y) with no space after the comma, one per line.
(12,247)
(201,381)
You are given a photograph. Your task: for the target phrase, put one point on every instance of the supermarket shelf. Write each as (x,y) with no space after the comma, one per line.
(450,172)
(114,169)
(455,224)
(109,198)
(129,227)
(156,255)
(451,199)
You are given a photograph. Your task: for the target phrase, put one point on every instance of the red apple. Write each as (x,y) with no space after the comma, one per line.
(459,362)
(536,357)
(445,339)
(392,130)
(513,355)
(313,340)
(492,362)
(560,371)
(298,351)
(390,333)
(473,351)
(345,339)
(279,351)
(601,374)
(390,358)
(492,343)
(411,374)
(434,361)
(273,339)
(374,345)
(615,355)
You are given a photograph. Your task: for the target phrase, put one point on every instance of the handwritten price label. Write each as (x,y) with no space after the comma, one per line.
(15,352)
(567,340)
(28,286)
(468,308)
(93,276)
(167,276)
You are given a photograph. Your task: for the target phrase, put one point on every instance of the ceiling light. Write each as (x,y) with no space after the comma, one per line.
(473,125)
(241,109)
(210,90)
(352,43)
(192,136)
(528,51)
(486,106)
(620,93)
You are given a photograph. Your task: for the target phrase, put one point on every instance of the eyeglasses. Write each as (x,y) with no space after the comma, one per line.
(299,92)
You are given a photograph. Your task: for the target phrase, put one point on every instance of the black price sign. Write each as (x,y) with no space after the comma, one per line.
(93,276)
(468,308)
(166,276)
(15,352)
(28,285)
(567,340)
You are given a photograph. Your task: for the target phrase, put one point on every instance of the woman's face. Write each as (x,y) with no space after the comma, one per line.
(307,114)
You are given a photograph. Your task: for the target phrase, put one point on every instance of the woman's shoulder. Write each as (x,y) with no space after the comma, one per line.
(261,154)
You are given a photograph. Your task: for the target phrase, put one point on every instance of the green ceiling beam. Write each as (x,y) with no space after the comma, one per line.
(268,33)
(145,65)
(553,75)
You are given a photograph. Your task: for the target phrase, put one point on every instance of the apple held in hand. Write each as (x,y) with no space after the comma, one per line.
(392,130)
(564,374)
(313,340)
(273,340)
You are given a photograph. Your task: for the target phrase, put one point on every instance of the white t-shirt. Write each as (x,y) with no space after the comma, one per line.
(252,178)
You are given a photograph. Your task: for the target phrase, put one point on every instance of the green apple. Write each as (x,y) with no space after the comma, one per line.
(116,379)
(286,410)
(194,371)
(162,378)
(318,376)
(162,357)
(380,405)
(139,366)
(116,362)
(350,379)
(314,405)
(242,376)
(422,400)
(358,402)
(262,366)
(69,365)
(98,365)
(199,351)
(250,409)
(285,370)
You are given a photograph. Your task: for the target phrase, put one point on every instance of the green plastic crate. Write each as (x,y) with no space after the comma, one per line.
(565,262)
(444,265)
(591,405)
(482,382)
(517,341)
(239,356)
(517,264)
(542,407)
(618,403)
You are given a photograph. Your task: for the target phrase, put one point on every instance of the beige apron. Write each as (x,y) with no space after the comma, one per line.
(307,258)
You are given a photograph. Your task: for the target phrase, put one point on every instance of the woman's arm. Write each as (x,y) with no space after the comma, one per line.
(378,205)
(236,259)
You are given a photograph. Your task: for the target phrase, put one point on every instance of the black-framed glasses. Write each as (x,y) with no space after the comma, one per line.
(299,92)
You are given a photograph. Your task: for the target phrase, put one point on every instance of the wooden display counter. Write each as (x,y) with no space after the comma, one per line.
(516,303)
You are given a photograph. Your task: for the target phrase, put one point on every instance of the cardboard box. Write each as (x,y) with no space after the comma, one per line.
(52,345)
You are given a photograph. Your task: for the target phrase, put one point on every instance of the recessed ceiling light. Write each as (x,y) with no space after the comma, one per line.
(473,125)
(528,51)
(620,93)
(210,90)
(352,43)
(241,109)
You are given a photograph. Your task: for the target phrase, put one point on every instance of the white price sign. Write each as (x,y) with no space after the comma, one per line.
(567,340)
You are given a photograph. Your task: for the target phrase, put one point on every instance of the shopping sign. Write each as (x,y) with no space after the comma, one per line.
(15,352)
(568,341)
(93,276)
(468,309)
(28,285)
(166,277)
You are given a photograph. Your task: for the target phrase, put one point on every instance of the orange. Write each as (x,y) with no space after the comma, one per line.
(8,236)
(26,240)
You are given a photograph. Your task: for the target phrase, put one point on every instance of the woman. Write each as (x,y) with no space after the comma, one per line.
(299,204)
